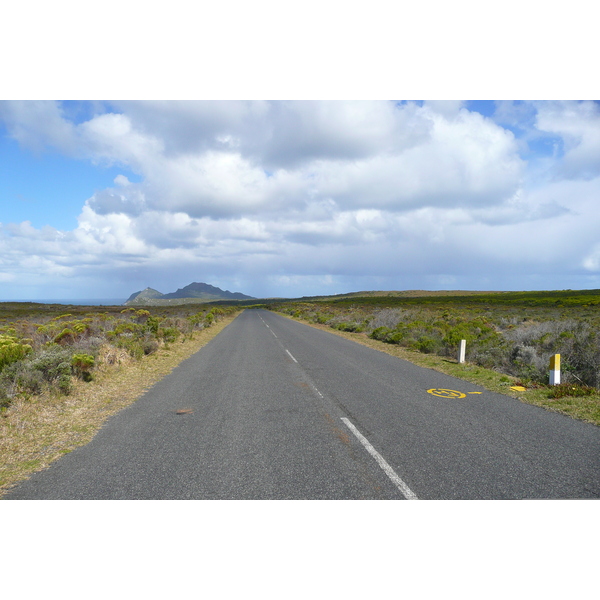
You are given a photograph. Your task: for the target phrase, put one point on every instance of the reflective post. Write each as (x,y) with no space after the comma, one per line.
(555,369)
(462,350)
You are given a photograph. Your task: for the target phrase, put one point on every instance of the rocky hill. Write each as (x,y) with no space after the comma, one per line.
(147,294)
(198,292)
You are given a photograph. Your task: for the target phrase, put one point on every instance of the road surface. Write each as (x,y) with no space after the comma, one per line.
(275,409)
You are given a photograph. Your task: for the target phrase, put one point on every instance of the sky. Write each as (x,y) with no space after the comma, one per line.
(294,198)
(316,191)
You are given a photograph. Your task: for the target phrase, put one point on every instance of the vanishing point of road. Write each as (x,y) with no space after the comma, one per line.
(275,409)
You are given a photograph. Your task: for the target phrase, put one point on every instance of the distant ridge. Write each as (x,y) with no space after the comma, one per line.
(196,291)
(403,294)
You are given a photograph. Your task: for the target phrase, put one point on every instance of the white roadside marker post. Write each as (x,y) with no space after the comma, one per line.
(462,351)
(555,369)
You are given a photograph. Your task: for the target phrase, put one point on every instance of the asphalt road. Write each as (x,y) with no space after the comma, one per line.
(275,409)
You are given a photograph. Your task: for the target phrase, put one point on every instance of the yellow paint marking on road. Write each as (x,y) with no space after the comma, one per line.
(441,393)
(474,392)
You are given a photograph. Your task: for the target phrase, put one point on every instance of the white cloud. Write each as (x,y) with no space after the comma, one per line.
(129,201)
(578,124)
(122,181)
(448,108)
(38,124)
(263,193)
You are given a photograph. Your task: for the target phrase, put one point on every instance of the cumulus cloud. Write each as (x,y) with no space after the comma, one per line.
(258,194)
(37,125)
(578,125)
(275,156)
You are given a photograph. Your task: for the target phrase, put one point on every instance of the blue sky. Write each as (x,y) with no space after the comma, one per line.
(292,198)
(46,188)
(149,186)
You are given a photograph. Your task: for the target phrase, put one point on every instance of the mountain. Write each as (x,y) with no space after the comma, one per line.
(206,291)
(147,294)
(202,292)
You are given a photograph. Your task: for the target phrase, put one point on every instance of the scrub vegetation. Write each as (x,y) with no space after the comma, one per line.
(509,334)
(44,349)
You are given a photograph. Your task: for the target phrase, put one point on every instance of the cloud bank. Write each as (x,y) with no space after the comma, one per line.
(299,198)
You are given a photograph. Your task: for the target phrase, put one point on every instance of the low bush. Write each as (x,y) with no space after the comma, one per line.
(169,334)
(564,390)
(53,363)
(82,365)
(49,369)
(134,347)
(150,346)
(12,350)
(381,333)
(427,344)
(49,349)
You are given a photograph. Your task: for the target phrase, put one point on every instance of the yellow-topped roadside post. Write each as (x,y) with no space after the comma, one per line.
(555,369)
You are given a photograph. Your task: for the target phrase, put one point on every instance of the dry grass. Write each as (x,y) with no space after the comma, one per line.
(36,431)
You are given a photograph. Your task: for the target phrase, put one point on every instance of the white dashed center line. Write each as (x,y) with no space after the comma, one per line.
(406,491)
(291,356)
(267,326)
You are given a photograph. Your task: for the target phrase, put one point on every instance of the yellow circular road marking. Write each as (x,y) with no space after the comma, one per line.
(446,393)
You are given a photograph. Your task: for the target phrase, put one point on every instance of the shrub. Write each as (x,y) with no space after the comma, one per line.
(5,400)
(66,336)
(30,381)
(89,345)
(197,320)
(80,327)
(11,350)
(344,326)
(169,334)
(125,327)
(141,316)
(149,346)
(456,334)
(152,324)
(134,347)
(388,318)
(52,367)
(82,365)
(53,363)
(64,383)
(381,334)
(427,344)
(397,337)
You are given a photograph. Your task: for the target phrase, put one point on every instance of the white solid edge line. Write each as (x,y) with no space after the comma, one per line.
(291,356)
(406,491)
